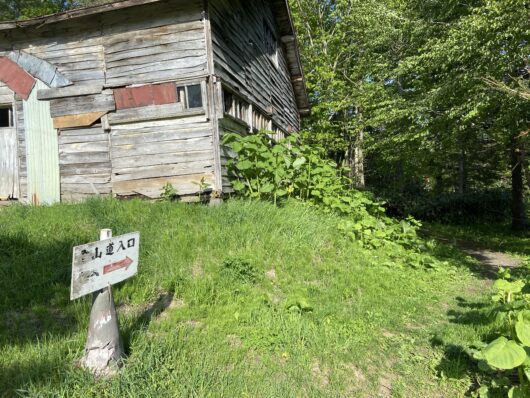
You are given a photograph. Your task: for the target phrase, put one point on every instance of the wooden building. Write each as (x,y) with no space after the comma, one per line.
(122,98)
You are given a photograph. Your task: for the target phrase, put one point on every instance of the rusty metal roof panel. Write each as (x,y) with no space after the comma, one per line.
(149,94)
(16,78)
(165,93)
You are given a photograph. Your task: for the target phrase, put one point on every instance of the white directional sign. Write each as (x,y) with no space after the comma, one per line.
(98,264)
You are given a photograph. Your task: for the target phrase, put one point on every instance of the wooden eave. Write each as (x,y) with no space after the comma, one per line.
(281,10)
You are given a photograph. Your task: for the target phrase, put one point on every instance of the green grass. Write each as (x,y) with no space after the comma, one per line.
(265,302)
(492,236)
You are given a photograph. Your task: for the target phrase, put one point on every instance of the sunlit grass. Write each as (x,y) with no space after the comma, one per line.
(320,317)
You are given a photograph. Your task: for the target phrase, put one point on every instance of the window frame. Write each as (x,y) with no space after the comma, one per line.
(10,115)
(240,108)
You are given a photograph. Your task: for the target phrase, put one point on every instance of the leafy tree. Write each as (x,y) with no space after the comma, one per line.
(348,48)
(24,9)
(413,80)
(480,40)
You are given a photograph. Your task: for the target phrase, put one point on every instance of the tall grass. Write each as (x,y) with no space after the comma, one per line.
(244,299)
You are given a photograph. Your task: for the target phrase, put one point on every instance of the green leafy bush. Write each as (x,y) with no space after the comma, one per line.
(169,192)
(490,204)
(276,171)
(510,351)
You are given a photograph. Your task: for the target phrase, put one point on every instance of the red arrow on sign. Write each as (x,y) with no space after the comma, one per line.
(125,263)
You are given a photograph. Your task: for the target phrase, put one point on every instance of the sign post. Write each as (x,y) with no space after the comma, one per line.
(95,268)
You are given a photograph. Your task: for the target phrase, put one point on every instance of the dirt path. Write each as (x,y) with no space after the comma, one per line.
(490,259)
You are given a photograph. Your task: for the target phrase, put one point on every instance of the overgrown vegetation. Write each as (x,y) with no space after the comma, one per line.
(488,205)
(264,169)
(244,299)
(403,92)
(508,354)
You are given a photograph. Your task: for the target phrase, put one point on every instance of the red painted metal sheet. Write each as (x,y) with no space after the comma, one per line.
(16,78)
(142,96)
(150,94)
(165,93)
(124,98)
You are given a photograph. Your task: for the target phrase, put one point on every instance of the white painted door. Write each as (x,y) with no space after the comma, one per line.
(8,163)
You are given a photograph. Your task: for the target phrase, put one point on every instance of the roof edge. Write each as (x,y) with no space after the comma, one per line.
(75,13)
(290,40)
(282,12)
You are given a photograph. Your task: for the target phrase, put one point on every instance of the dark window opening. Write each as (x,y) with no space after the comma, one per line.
(6,116)
(236,106)
(194,96)
(229,101)
(190,96)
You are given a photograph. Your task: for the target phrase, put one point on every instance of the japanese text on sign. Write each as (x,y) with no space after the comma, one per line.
(106,262)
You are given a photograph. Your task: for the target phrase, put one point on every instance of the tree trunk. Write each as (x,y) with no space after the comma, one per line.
(356,154)
(462,173)
(359,161)
(517,157)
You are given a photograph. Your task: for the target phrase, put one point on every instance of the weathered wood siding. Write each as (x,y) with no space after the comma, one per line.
(136,146)
(147,155)
(241,59)
(22,157)
(150,44)
(138,45)
(84,161)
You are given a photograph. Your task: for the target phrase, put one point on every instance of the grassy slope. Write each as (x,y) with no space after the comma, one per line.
(371,331)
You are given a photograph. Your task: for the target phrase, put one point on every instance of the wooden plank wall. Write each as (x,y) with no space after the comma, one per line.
(140,45)
(165,42)
(7,97)
(146,155)
(84,163)
(22,157)
(241,59)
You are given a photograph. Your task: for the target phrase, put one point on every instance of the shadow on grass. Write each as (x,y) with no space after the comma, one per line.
(456,364)
(34,289)
(472,313)
(489,236)
(14,378)
(446,252)
(148,313)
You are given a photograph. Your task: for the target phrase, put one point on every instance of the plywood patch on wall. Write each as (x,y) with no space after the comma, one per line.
(81,120)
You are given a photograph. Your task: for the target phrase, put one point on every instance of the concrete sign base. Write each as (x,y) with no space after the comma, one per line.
(104,349)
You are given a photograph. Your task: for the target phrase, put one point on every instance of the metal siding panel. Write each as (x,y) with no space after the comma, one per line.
(150,94)
(42,150)
(165,93)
